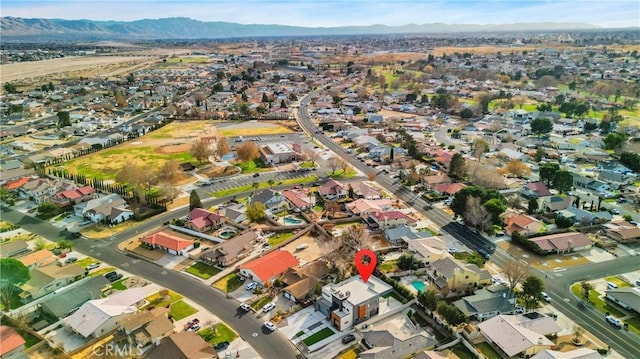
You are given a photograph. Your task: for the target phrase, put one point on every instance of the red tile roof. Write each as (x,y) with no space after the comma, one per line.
(167,240)
(10,340)
(539,188)
(15,184)
(299,197)
(76,193)
(271,265)
(450,188)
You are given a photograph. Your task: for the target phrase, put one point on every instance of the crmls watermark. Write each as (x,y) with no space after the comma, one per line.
(120,350)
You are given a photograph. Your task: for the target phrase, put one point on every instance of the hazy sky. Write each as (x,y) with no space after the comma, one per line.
(316,13)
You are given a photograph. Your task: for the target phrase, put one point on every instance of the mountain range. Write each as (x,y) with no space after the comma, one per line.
(15,28)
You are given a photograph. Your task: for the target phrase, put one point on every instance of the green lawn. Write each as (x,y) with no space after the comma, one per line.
(279,238)
(308,164)
(217,334)
(86,261)
(249,187)
(229,283)
(251,167)
(118,285)
(318,336)
(101,271)
(261,302)
(157,301)
(616,281)
(202,270)
(340,174)
(388,266)
(488,351)
(181,310)
(299,334)
(462,352)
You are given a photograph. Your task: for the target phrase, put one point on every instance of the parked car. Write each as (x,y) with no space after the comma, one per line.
(348,338)
(246,307)
(615,211)
(251,286)
(92,266)
(484,253)
(194,328)
(269,307)
(114,277)
(546,297)
(270,326)
(613,321)
(70,260)
(611,285)
(221,346)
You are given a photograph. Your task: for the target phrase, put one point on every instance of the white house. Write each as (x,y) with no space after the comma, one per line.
(111,208)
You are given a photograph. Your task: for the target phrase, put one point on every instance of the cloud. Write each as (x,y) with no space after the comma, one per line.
(326,13)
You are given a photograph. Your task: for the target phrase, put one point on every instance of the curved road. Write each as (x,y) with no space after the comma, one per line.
(557,283)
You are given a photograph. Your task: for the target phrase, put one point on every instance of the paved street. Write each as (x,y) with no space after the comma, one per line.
(557,283)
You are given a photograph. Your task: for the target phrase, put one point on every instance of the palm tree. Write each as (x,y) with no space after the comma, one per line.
(271,182)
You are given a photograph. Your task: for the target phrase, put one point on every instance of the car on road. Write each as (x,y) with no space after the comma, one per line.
(484,253)
(546,297)
(270,326)
(92,266)
(613,321)
(246,307)
(615,211)
(348,338)
(256,175)
(251,286)
(221,346)
(453,250)
(269,307)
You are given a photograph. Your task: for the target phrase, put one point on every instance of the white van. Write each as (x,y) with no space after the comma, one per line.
(611,285)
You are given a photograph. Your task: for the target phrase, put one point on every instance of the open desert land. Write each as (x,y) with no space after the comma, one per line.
(64,67)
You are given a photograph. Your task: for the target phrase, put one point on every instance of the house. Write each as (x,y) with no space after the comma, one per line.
(428,249)
(589,183)
(183,345)
(351,301)
(73,196)
(43,257)
(534,190)
(381,152)
(395,337)
(231,250)
(449,189)
(366,142)
(202,220)
(13,248)
(110,208)
(169,242)
(12,343)
(363,190)
(516,335)
(273,200)
(580,353)
(523,224)
(451,273)
(278,153)
(300,198)
(301,281)
(487,302)
(146,327)
(403,233)
(622,231)
(365,207)
(45,280)
(236,213)
(98,317)
(439,179)
(42,189)
(389,219)
(69,300)
(333,189)
(562,242)
(552,204)
(626,297)
(15,184)
(269,266)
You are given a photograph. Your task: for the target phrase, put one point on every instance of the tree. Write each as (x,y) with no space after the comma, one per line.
(64,120)
(563,181)
(586,288)
(466,113)
(451,314)
(480,147)
(546,81)
(457,166)
(222,147)
(631,160)
(407,261)
(614,141)
(544,107)
(10,87)
(65,244)
(541,126)
(256,211)
(533,206)
(483,98)
(14,274)
(517,169)
(131,78)
(265,99)
(547,172)
(515,273)
(532,287)
(137,176)
(283,104)
(40,244)
(460,206)
(194,200)
(48,209)
(429,299)
(540,155)
(520,100)
(247,151)
(476,214)
(201,150)
(170,172)
(169,191)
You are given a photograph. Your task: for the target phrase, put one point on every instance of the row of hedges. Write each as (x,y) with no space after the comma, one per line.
(525,243)
(397,287)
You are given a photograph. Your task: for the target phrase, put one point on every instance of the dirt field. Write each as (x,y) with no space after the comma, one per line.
(34,69)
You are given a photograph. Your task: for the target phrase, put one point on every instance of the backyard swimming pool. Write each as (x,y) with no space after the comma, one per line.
(418,285)
(227,234)
(292,220)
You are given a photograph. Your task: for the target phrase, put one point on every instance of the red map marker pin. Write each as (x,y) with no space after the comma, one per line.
(365,269)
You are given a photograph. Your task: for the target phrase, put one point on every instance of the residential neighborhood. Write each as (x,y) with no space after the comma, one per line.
(209,201)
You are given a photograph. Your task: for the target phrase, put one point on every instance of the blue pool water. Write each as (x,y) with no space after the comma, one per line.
(229,156)
(291,220)
(418,285)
